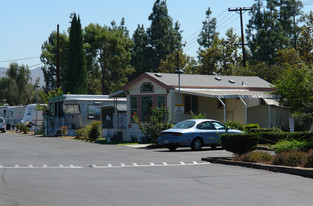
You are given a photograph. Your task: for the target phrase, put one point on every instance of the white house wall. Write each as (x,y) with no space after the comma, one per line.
(133,130)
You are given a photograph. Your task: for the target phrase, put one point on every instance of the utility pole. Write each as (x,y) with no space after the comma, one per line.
(58,58)
(242,34)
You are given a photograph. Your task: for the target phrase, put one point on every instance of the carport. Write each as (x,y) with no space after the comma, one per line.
(241,94)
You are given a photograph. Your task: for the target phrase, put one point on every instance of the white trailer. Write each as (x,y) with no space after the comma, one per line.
(73,111)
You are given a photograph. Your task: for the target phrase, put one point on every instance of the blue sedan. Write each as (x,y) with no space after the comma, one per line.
(194,133)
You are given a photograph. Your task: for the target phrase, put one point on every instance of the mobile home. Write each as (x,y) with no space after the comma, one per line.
(72,111)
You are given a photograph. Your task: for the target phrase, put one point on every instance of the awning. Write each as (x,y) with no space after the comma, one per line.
(120,93)
(271,102)
(227,93)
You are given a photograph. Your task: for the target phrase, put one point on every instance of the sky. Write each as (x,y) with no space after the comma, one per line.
(26,25)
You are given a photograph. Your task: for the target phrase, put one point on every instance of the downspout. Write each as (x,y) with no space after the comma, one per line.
(224,108)
(246,113)
(269,116)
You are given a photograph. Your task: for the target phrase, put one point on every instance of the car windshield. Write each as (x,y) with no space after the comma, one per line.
(184,125)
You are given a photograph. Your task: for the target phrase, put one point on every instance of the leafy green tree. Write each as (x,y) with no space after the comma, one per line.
(108,52)
(49,58)
(304,46)
(208,32)
(210,58)
(186,63)
(140,52)
(231,58)
(92,51)
(295,88)
(75,75)
(16,85)
(271,28)
(163,37)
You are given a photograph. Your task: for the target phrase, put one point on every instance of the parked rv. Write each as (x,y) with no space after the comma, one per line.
(77,111)
(27,115)
(13,115)
(32,116)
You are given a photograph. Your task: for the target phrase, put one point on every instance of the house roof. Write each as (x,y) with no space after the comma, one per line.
(170,81)
(210,81)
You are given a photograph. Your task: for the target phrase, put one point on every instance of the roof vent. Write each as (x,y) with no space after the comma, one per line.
(231,81)
(218,78)
(158,75)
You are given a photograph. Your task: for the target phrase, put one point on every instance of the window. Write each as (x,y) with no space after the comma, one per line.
(146,87)
(94,112)
(146,104)
(72,109)
(191,104)
(218,126)
(133,107)
(205,125)
(161,101)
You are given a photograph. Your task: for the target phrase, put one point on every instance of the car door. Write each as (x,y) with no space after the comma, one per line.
(220,128)
(208,133)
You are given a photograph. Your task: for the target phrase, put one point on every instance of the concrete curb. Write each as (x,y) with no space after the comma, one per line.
(304,172)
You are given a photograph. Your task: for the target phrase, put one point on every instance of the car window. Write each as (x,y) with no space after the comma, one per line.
(1,119)
(205,125)
(184,125)
(218,126)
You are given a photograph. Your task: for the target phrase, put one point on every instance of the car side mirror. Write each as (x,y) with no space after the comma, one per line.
(227,128)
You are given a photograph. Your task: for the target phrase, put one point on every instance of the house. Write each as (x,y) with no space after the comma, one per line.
(246,99)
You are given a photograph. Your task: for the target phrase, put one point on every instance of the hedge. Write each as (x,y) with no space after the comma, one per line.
(239,143)
(274,137)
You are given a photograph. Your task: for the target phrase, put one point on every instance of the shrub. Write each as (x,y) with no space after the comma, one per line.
(94,130)
(257,156)
(309,159)
(286,145)
(248,127)
(81,134)
(239,143)
(158,122)
(235,125)
(291,158)
(274,137)
(197,116)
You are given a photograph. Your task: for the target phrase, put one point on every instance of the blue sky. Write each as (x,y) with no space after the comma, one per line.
(25,25)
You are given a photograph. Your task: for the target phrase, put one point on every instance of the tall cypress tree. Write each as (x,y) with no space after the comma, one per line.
(75,80)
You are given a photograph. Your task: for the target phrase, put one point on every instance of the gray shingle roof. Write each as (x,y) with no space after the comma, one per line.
(210,81)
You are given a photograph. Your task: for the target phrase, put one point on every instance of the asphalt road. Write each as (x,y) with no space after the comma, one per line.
(54,171)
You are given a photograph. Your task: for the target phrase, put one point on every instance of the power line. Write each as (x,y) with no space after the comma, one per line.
(13,60)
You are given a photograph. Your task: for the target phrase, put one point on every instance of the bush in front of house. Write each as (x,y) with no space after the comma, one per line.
(94,130)
(90,133)
(287,145)
(291,158)
(256,156)
(274,137)
(235,125)
(249,127)
(158,121)
(239,143)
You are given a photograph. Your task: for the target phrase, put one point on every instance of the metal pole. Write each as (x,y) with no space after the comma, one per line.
(37,87)
(246,111)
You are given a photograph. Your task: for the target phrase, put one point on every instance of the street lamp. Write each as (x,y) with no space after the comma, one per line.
(179,72)
(37,87)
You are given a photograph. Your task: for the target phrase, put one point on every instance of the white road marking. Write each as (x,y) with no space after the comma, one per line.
(122,165)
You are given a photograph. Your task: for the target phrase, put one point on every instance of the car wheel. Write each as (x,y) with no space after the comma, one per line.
(172,148)
(196,144)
